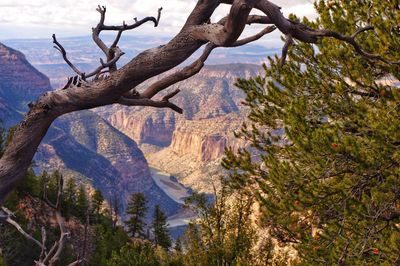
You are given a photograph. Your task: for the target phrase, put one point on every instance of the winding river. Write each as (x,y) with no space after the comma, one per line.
(177,192)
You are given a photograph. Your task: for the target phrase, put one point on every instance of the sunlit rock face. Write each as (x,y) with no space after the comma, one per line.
(205,140)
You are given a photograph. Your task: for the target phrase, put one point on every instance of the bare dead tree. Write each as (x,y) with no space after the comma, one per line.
(52,256)
(120,86)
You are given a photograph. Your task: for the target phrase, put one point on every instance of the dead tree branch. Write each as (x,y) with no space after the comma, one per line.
(46,258)
(7,216)
(196,66)
(113,52)
(289,41)
(303,33)
(352,41)
(164,103)
(60,48)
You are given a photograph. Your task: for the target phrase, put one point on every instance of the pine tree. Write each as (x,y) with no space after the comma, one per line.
(82,204)
(223,233)
(137,253)
(115,209)
(137,208)
(326,130)
(97,200)
(3,138)
(70,197)
(160,230)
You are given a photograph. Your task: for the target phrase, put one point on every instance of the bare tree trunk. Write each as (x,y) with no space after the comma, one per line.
(18,155)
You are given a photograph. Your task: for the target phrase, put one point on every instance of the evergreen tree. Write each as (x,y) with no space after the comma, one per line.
(115,209)
(223,233)
(70,198)
(96,204)
(50,185)
(160,230)
(2,139)
(137,253)
(82,204)
(43,181)
(326,128)
(137,208)
(195,250)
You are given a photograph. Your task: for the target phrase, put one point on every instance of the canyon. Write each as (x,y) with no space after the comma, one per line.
(118,148)
(190,146)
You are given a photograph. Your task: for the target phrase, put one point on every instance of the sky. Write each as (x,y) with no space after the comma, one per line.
(22,19)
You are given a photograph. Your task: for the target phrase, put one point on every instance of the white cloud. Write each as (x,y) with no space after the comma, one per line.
(40,18)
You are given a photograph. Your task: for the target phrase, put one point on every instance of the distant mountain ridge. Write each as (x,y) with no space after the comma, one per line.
(85,54)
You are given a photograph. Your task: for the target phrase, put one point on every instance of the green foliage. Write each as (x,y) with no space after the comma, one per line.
(2,262)
(137,253)
(160,230)
(96,204)
(137,212)
(326,127)
(108,240)
(223,233)
(69,198)
(82,204)
(31,184)
(17,250)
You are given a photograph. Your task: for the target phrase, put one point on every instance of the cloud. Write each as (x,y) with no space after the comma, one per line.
(76,17)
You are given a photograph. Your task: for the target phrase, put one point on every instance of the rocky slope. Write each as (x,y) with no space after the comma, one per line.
(86,147)
(83,52)
(83,145)
(191,146)
(20,83)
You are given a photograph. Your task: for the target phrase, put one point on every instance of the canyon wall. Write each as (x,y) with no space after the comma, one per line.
(196,150)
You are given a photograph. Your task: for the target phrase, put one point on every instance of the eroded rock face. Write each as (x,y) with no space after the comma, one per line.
(206,139)
(196,150)
(154,128)
(20,82)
